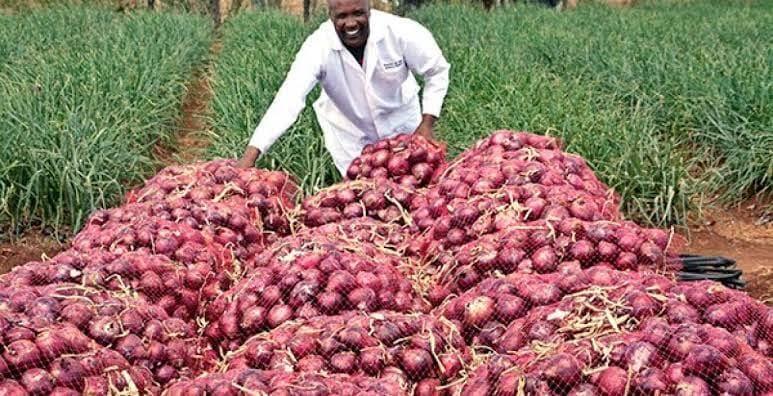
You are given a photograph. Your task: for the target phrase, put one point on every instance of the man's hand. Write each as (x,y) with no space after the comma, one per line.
(426,127)
(248,159)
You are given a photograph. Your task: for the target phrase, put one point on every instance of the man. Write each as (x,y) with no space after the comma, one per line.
(364,61)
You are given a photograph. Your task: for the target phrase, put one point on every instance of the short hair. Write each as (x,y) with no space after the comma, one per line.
(330,4)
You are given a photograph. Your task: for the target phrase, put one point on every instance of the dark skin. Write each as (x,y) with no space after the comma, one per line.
(350,19)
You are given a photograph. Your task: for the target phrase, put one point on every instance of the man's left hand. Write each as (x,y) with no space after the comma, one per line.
(426,127)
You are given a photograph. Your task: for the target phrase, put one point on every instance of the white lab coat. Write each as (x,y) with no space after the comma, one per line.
(360,105)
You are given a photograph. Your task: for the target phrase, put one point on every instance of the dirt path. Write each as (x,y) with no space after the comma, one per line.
(193,129)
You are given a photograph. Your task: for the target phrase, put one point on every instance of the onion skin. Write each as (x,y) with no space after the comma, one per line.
(428,387)
(60,391)
(12,388)
(344,362)
(582,390)
(705,360)
(311,363)
(513,339)
(165,374)
(681,342)
(656,331)
(642,305)
(679,312)
(22,354)
(68,371)
(50,344)
(37,381)
(544,260)
(477,386)
(720,339)
(278,315)
(372,360)
(758,370)
(640,355)
(734,382)
(612,381)
(562,371)
(104,329)
(78,314)
(509,308)
(416,362)
(692,386)
(479,311)
(651,381)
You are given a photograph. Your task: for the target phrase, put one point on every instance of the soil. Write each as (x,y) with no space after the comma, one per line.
(30,247)
(744,234)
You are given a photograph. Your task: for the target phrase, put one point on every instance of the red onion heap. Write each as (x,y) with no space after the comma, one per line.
(507,159)
(233,227)
(384,201)
(508,271)
(415,348)
(307,277)
(152,235)
(455,222)
(409,160)
(500,312)
(637,335)
(181,290)
(544,247)
(252,381)
(391,236)
(269,194)
(76,337)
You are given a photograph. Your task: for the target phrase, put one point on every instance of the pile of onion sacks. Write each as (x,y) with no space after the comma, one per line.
(508,270)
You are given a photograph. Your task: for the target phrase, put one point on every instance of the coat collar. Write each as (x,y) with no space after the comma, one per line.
(376,25)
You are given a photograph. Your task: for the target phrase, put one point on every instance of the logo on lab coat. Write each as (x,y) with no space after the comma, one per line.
(392,65)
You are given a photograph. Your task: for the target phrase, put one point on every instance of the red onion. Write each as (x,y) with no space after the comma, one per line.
(37,381)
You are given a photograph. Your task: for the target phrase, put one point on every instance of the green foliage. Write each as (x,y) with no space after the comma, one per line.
(27,5)
(86,95)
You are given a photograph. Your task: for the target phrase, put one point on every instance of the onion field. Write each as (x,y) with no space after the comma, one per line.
(86,94)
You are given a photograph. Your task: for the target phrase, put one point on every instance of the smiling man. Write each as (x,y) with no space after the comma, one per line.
(365,61)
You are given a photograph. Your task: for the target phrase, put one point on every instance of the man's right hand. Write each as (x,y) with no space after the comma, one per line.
(249,157)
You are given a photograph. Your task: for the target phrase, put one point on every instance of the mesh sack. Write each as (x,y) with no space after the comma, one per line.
(488,166)
(411,348)
(621,364)
(182,290)
(268,194)
(465,220)
(638,333)
(386,236)
(548,247)
(234,227)
(280,383)
(307,276)
(73,336)
(379,200)
(410,160)
(137,227)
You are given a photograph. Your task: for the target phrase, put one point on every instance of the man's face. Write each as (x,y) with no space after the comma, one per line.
(350,18)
